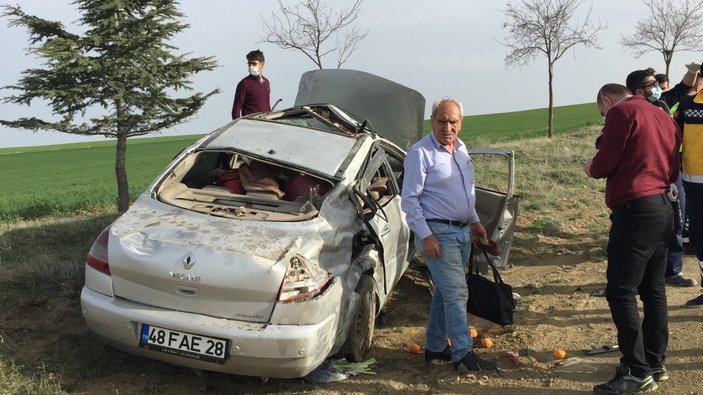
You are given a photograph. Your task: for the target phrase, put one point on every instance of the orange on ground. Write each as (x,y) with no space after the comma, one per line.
(487,342)
(474,333)
(559,353)
(414,348)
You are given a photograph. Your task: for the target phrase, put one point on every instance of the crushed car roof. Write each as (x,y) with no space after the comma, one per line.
(313,149)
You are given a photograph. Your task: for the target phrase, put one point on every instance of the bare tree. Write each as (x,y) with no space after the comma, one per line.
(546,27)
(671,25)
(308,27)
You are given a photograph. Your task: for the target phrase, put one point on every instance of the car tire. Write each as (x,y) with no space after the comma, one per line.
(361,333)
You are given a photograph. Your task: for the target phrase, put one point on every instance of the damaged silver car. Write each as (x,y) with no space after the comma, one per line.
(271,243)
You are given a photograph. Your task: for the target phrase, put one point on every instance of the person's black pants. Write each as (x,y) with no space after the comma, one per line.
(694,192)
(637,250)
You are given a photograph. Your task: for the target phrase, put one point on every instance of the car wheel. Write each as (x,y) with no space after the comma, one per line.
(359,339)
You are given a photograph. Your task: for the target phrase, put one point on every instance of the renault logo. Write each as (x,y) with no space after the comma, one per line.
(188,261)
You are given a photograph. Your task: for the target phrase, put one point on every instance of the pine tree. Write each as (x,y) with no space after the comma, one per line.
(116,79)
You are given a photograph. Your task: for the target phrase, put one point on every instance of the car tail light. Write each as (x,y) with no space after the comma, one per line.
(97,257)
(303,280)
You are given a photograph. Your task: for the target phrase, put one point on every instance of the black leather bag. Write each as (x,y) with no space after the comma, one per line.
(490,300)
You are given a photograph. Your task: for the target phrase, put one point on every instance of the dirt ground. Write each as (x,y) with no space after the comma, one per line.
(559,307)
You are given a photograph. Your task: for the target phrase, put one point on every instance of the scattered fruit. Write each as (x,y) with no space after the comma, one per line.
(514,357)
(414,348)
(559,353)
(474,333)
(486,342)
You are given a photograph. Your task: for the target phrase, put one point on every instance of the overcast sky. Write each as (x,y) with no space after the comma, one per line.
(439,48)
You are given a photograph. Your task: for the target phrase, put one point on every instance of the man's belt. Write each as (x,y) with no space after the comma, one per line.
(459,224)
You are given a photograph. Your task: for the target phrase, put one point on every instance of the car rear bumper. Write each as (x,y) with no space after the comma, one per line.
(261,350)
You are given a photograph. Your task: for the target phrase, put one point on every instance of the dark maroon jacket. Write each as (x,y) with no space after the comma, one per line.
(637,151)
(251,96)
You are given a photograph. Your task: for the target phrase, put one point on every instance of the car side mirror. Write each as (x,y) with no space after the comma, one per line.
(369,208)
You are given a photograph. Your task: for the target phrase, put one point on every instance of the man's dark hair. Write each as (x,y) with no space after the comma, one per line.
(661,78)
(256,55)
(612,90)
(635,80)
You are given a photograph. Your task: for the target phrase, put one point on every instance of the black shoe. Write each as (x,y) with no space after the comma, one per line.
(445,355)
(474,363)
(680,280)
(625,383)
(659,374)
(695,302)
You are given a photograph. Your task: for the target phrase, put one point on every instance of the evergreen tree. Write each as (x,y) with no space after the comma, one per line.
(115,80)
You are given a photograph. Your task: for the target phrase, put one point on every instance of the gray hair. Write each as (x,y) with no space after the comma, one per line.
(443,100)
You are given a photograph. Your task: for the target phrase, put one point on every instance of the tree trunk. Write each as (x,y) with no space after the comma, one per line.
(550,110)
(668,55)
(668,62)
(121,173)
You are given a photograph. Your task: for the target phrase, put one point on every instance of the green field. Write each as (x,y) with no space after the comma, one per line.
(80,177)
(40,181)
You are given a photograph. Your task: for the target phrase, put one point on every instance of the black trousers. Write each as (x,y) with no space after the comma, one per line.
(637,250)
(695,216)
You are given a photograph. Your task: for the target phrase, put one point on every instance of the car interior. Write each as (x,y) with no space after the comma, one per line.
(229,184)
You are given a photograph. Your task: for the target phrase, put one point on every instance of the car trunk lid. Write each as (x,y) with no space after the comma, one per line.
(191,262)
(368,97)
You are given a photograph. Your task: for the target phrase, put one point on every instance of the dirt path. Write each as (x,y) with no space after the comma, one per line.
(558,279)
(557,309)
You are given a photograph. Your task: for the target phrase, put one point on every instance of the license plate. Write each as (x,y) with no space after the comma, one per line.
(189,345)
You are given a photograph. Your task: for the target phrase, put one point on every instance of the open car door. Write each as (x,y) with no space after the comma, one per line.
(496,204)
(377,197)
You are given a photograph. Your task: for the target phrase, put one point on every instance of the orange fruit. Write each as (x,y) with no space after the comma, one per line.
(414,348)
(486,342)
(474,333)
(559,353)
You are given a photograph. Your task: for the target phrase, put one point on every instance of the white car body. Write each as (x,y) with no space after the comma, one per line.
(248,282)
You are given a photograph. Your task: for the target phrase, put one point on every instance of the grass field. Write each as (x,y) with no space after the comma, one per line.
(47,180)
(60,179)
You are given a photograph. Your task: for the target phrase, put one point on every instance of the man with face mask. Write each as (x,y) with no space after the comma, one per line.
(253,91)
(645,83)
(637,155)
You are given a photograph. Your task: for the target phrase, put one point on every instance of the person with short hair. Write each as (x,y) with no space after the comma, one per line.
(253,93)
(663,81)
(637,155)
(690,118)
(647,83)
(439,200)
(644,82)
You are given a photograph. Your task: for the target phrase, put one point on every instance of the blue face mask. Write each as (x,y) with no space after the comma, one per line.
(656,93)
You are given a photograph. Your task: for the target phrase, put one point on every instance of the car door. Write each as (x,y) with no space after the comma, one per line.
(378,188)
(496,203)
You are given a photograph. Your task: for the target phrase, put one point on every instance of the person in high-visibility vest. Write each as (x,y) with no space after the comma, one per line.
(689,116)
(654,87)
